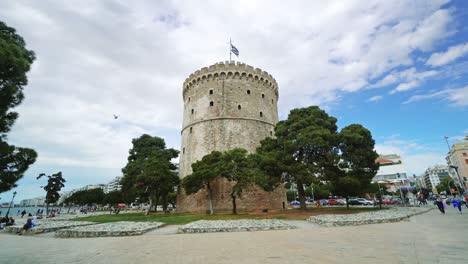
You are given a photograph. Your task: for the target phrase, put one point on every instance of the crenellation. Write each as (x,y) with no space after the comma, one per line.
(228,69)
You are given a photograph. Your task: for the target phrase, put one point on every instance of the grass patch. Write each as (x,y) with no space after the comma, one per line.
(183,218)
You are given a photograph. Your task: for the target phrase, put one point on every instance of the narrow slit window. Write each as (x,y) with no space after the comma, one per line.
(272,101)
(263,95)
(261,114)
(190,130)
(271,133)
(211,103)
(183,151)
(189,99)
(211,91)
(193,111)
(239,107)
(248,91)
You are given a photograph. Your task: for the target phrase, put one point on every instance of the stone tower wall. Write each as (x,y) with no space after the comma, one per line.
(226,105)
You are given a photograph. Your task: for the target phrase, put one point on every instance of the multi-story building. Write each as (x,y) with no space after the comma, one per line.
(38,201)
(113,185)
(434,175)
(457,161)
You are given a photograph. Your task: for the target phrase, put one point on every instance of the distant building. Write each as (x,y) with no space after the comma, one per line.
(113,185)
(38,201)
(457,160)
(392,172)
(434,175)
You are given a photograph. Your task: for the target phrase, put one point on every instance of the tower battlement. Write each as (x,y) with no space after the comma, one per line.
(230,70)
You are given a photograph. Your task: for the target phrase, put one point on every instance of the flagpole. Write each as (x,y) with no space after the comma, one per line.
(230,45)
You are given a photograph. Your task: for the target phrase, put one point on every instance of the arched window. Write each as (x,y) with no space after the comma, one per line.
(239,107)
(248,91)
(211,103)
(189,99)
(261,114)
(263,95)
(211,91)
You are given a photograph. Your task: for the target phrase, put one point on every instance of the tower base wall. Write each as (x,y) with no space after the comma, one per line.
(252,199)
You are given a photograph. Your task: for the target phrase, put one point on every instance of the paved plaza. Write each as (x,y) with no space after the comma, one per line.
(427,238)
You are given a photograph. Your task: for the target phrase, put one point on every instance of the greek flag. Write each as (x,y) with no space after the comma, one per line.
(234,50)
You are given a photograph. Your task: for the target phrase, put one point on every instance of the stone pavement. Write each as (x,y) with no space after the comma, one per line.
(427,238)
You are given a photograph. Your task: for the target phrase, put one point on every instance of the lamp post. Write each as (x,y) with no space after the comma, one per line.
(8,211)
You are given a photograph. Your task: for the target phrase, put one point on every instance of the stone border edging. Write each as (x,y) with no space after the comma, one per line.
(213,226)
(115,229)
(323,221)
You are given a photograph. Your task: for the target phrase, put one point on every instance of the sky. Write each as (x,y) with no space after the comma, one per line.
(397,67)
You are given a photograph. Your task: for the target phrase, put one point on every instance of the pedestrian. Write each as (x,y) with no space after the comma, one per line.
(440,204)
(23,213)
(18,213)
(457,203)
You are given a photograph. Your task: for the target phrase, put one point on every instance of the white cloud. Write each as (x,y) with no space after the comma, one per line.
(411,78)
(453,53)
(375,98)
(457,97)
(99,58)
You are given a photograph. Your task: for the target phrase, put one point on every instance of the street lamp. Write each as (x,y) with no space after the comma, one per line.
(8,211)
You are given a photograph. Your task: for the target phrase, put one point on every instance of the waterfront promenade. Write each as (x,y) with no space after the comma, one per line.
(426,238)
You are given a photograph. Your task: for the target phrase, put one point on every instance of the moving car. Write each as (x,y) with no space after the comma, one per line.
(365,201)
(335,202)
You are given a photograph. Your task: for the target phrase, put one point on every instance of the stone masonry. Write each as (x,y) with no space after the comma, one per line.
(227,105)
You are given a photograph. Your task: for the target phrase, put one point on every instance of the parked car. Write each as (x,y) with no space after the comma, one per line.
(365,201)
(295,203)
(354,202)
(335,202)
(324,202)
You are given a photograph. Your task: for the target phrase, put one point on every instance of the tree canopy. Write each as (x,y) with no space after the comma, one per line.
(150,171)
(15,62)
(308,148)
(302,149)
(55,183)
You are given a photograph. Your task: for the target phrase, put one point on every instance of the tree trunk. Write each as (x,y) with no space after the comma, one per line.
(164,202)
(150,199)
(156,199)
(300,190)
(347,202)
(69,208)
(234,206)
(210,192)
(47,210)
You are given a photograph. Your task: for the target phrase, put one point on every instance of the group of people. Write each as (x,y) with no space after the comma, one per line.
(6,221)
(456,202)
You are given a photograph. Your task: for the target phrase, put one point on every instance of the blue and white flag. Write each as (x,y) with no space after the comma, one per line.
(234,50)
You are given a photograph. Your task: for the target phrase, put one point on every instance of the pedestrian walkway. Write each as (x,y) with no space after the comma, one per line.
(427,238)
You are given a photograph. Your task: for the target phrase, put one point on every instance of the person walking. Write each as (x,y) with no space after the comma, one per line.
(440,204)
(457,203)
(23,213)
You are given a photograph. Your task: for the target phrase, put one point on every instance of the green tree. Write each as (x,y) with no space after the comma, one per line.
(445,185)
(15,62)
(150,171)
(55,183)
(240,169)
(204,172)
(304,147)
(356,164)
(113,198)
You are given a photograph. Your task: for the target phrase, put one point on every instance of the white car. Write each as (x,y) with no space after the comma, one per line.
(365,201)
